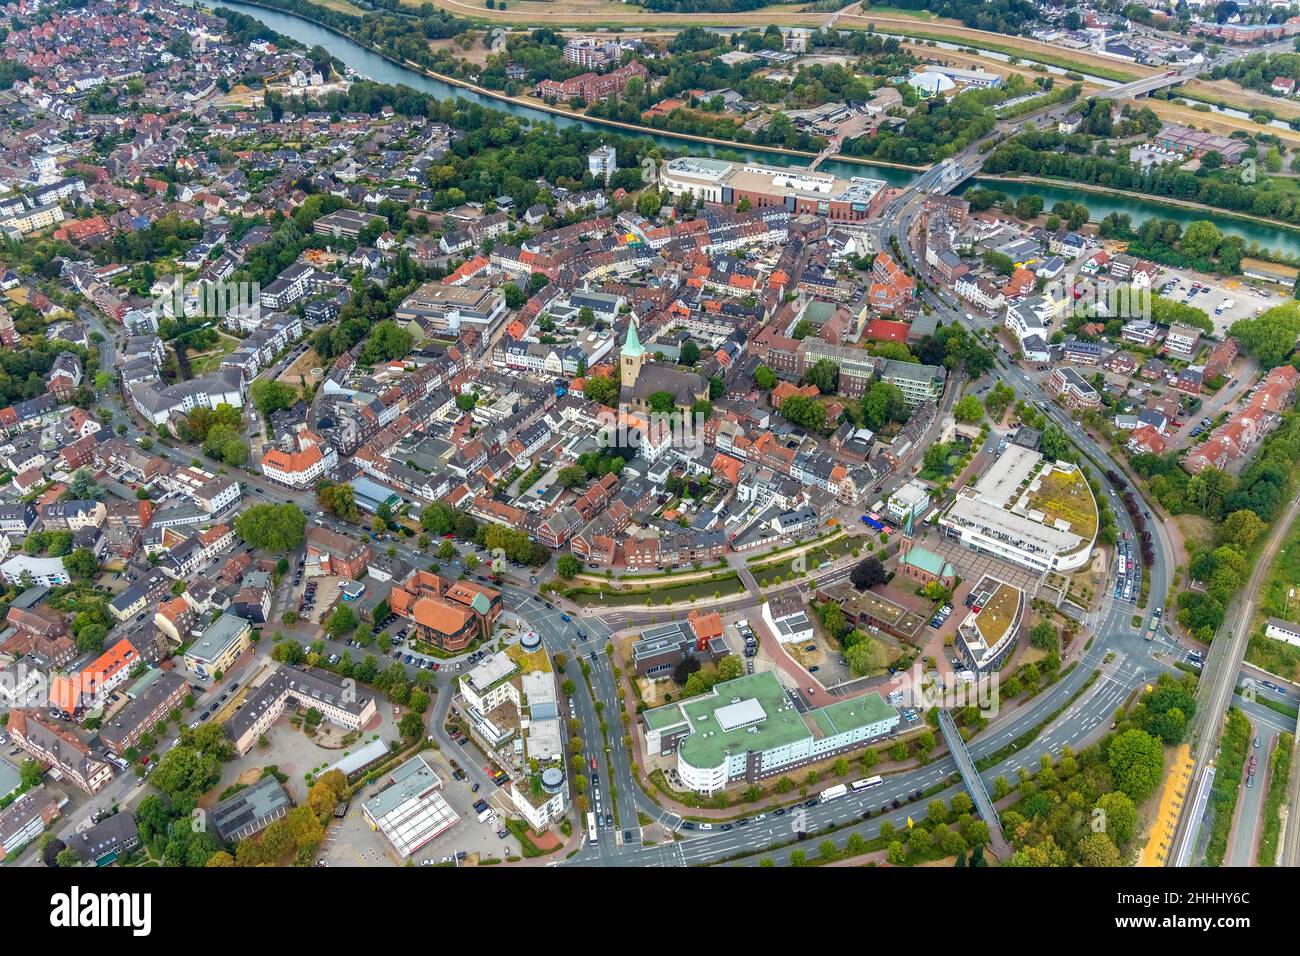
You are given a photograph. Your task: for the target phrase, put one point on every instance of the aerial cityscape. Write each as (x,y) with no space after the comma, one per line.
(671,433)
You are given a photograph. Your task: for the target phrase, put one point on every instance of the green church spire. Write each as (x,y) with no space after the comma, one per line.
(632,347)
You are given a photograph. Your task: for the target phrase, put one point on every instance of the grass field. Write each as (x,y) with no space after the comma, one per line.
(809,560)
(1020,47)
(916,25)
(1216,122)
(1228,93)
(210,361)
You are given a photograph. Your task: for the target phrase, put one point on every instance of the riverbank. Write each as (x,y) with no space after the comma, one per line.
(1281,239)
(1143,197)
(531,103)
(542,106)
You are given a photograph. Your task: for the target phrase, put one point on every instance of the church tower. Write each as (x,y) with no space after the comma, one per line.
(906,536)
(632,355)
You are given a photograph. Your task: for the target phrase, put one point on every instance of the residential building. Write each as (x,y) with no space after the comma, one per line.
(219,645)
(144,711)
(50,742)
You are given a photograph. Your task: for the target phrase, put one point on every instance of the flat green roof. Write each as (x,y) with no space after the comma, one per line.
(724,721)
(661,718)
(850,714)
(709,740)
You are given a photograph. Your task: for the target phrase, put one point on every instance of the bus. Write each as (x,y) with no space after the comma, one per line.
(832,793)
(591,828)
(1121,565)
(867,784)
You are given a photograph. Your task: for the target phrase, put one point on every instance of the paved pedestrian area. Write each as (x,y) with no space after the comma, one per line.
(974,565)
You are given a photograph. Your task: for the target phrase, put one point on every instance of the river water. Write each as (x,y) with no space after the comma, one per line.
(374,67)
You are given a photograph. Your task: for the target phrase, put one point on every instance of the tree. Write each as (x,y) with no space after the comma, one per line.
(1240,529)
(935,459)
(30,774)
(883,403)
(1120,816)
(866,657)
(83,487)
(968,410)
(602,390)
(387,340)
(1055,444)
(1201,239)
(342,621)
(1269,337)
(572,476)
(1044,636)
(82,563)
(1097,849)
(868,573)
(514,296)
(804,411)
(825,374)
(339,500)
(690,353)
(685,668)
(67,858)
(1136,763)
(271,396)
(648,204)
(410,726)
(764,378)
(567,566)
(278,529)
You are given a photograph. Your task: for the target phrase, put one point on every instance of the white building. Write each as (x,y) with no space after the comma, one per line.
(1283,631)
(747,729)
(602,163)
(48,572)
(410,811)
(912,498)
(787,618)
(158,403)
(1004,514)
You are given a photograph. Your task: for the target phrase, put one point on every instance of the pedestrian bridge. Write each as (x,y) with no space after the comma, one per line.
(974,785)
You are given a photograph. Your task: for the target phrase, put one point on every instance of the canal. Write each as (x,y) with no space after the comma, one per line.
(375,67)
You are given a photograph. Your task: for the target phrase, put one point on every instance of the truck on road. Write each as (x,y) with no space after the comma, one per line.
(832,793)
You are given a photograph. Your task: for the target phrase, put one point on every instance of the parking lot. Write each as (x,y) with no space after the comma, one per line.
(1237,299)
